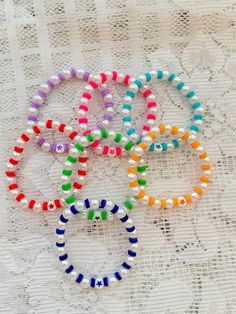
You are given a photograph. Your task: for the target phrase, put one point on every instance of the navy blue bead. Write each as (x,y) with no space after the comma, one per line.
(125,218)
(87,203)
(131,229)
(69,269)
(105,281)
(92,282)
(132,253)
(60,231)
(103,203)
(63,257)
(60,244)
(73,210)
(133,240)
(117,275)
(80,278)
(125,265)
(115,209)
(63,219)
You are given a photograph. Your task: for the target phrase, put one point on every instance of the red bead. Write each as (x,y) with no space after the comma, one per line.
(105,150)
(31,204)
(73,135)
(82,172)
(151,117)
(103,77)
(24,137)
(152,104)
(95,143)
(82,159)
(10,174)
(13,161)
(18,149)
(126,79)
(36,129)
(93,84)
(83,107)
(87,95)
(77,186)
(49,124)
(57,203)
(45,206)
(83,120)
(114,75)
(13,186)
(147,92)
(61,127)
(20,197)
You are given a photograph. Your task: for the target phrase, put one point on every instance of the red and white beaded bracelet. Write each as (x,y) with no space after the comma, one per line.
(137,168)
(13,163)
(87,96)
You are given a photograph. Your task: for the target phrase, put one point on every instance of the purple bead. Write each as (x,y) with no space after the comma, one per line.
(100,126)
(40,141)
(42,94)
(50,84)
(61,76)
(35,105)
(105,91)
(86,75)
(32,118)
(73,72)
(109,104)
(66,147)
(52,147)
(107,117)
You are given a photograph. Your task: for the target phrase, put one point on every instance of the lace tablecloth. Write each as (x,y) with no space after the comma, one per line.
(187,260)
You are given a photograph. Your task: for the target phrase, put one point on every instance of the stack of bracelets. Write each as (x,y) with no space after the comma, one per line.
(132,143)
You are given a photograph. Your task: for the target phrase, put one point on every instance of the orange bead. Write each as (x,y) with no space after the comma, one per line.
(151,200)
(163,203)
(195,144)
(198,190)
(203,155)
(204,179)
(140,195)
(162,128)
(174,130)
(132,170)
(135,157)
(175,201)
(188,198)
(133,184)
(185,136)
(143,146)
(206,167)
(152,135)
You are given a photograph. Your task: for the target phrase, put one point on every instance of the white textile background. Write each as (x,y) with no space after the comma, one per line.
(187,260)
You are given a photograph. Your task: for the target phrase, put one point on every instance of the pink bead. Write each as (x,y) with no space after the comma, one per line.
(151,116)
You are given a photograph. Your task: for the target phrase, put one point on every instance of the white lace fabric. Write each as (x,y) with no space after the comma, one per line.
(187,259)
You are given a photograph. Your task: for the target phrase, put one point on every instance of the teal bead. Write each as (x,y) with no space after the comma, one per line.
(190,94)
(151,148)
(175,143)
(197,117)
(126,119)
(194,128)
(127,106)
(180,85)
(138,83)
(139,141)
(131,131)
(171,77)
(196,105)
(148,76)
(164,147)
(130,93)
(159,74)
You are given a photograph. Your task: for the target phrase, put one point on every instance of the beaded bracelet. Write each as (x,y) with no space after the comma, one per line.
(80,143)
(137,169)
(97,281)
(26,137)
(87,95)
(45,90)
(139,84)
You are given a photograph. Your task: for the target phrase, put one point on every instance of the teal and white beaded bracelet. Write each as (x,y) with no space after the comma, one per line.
(140,84)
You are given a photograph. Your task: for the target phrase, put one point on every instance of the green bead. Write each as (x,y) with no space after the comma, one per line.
(104,133)
(71,199)
(104,215)
(142,182)
(91,214)
(117,138)
(128,204)
(66,186)
(67,172)
(90,137)
(79,147)
(128,146)
(72,159)
(142,168)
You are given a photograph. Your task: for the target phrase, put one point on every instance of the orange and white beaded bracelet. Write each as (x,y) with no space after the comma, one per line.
(137,168)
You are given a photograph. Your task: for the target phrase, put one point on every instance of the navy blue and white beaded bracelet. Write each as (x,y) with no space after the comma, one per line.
(104,280)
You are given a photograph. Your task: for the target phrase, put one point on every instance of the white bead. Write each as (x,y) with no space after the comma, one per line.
(166,74)
(200,149)
(83,141)
(138,150)
(176,80)
(184,90)
(33,110)
(55,79)
(80,205)
(170,146)
(74,274)
(65,179)
(89,88)
(37,208)
(67,74)
(109,110)
(65,263)
(46,147)
(109,205)
(135,191)
(153,73)
(97,134)
(121,213)
(79,73)
(97,79)
(132,177)
(84,101)
(31,123)
(11,180)
(11,166)
(81,112)
(193,99)
(99,283)
(130,260)
(195,196)
(153,109)
(112,281)
(207,172)
(112,134)
(181,131)
(74,152)
(157,203)
(134,137)
(125,112)
(204,185)
(134,88)
(145,200)
(128,99)
(155,129)
(67,213)
(147,140)
(81,179)
(169,203)
(105,123)
(38,99)
(120,77)
(150,98)
(132,162)
(24,203)
(200,109)
(198,122)
(124,140)
(99,149)
(168,127)
(94,204)
(124,272)
(131,80)
(108,74)
(83,165)
(83,126)
(182,201)
(192,137)
(142,78)
(108,97)
(15,192)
